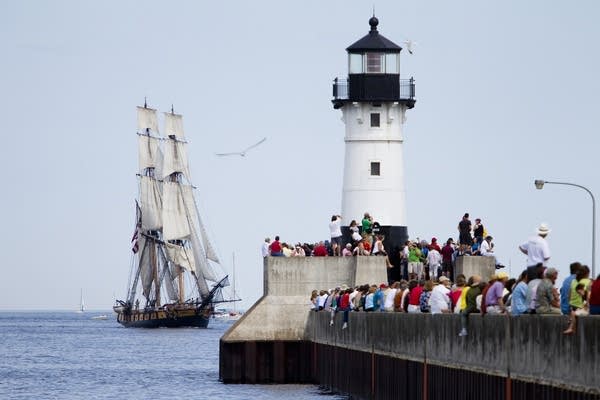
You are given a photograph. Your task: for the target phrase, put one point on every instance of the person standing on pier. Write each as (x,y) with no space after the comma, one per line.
(464,230)
(478,230)
(335,228)
(537,250)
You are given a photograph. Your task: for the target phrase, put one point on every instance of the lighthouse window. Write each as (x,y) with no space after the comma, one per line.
(356,64)
(374,62)
(375,169)
(392,64)
(375,120)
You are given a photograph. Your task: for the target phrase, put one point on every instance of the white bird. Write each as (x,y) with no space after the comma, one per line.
(410,45)
(243,152)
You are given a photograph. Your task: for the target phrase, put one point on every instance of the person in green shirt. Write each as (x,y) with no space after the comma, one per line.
(415,262)
(580,286)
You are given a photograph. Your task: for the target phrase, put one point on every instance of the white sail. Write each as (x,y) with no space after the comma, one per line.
(145,266)
(150,203)
(202,286)
(174,125)
(172,293)
(181,256)
(192,209)
(203,268)
(175,158)
(146,120)
(149,153)
(174,213)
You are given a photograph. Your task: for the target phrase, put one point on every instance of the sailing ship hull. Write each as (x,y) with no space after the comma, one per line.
(164,319)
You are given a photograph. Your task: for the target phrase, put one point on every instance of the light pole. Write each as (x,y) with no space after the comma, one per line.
(539,184)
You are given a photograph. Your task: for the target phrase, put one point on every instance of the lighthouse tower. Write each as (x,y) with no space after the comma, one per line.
(374,100)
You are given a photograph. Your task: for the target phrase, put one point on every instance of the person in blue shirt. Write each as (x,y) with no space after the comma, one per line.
(378,298)
(565,289)
(518,300)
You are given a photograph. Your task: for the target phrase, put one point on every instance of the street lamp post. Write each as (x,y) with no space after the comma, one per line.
(539,184)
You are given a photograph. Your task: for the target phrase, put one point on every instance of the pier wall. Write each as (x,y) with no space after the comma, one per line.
(397,355)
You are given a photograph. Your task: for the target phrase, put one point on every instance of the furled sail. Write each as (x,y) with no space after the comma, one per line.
(174,215)
(151,203)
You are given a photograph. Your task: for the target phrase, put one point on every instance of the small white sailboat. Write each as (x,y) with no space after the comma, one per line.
(81,303)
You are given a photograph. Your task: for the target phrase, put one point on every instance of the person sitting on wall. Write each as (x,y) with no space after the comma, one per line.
(519,296)
(320,250)
(471,303)
(347,250)
(275,248)
(378,249)
(494,297)
(487,250)
(547,295)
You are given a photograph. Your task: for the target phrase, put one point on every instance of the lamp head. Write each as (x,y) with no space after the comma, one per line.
(539,184)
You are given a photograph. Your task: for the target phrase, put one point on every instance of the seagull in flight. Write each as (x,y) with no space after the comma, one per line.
(243,152)
(410,46)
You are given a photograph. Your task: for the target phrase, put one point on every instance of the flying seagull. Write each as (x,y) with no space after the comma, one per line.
(243,152)
(410,46)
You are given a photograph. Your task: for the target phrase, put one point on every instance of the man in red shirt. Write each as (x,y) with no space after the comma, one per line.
(413,298)
(345,306)
(447,266)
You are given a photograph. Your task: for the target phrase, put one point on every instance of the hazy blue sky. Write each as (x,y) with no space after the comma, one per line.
(506,92)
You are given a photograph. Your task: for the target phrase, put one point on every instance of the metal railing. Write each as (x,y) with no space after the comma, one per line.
(341,89)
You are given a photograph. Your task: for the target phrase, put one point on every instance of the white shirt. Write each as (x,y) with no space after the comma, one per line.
(322,299)
(335,228)
(388,304)
(265,249)
(439,299)
(486,249)
(537,250)
(434,258)
(356,236)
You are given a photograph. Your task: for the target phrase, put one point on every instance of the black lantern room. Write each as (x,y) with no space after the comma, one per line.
(373,73)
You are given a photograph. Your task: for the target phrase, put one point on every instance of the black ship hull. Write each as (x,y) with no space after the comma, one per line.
(164,318)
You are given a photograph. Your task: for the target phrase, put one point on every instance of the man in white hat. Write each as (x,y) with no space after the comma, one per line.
(536,248)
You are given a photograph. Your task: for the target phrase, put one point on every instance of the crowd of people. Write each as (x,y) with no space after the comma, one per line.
(415,259)
(533,292)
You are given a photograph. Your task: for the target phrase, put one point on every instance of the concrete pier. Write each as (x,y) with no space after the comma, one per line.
(397,355)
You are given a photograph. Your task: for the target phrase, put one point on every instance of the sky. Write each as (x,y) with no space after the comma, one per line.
(507,92)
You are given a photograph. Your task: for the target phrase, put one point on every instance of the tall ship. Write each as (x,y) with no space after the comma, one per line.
(173,280)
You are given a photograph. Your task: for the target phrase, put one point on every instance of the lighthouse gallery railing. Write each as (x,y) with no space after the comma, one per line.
(341,92)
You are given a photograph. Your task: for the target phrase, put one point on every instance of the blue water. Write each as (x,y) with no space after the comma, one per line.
(64,355)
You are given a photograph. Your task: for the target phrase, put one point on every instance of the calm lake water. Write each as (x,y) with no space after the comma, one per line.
(65,355)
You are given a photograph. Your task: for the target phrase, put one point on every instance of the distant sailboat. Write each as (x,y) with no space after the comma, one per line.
(81,303)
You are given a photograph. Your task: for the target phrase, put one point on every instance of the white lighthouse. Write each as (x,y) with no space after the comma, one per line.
(374,100)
